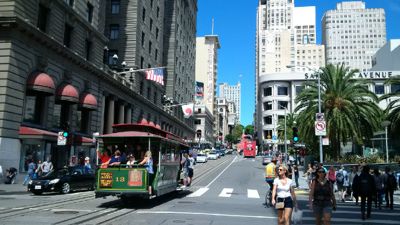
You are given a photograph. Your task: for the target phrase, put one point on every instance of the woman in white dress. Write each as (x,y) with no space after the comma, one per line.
(283,191)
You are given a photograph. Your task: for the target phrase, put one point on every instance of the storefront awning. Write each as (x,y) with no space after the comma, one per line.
(80,140)
(41,82)
(35,133)
(130,134)
(88,101)
(67,93)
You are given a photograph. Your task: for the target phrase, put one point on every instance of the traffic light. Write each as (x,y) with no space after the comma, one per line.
(295,135)
(65,134)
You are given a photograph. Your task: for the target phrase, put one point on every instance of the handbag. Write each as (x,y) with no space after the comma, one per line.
(297,216)
(279,205)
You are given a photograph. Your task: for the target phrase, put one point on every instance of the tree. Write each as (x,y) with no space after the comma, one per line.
(249,129)
(290,122)
(230,138)
(351,110)
(393,109)
(237,131)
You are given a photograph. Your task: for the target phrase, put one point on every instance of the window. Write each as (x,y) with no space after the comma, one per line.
(267,134)
(34,106)
(394,88)
(267,105)
(143,14)
(151,3)
(89,12)
(141,62)
(198,110)
(379,89)
(150,45)
(114,31)
(268,91)
(299,89)
(88,46)
(69,2)
(42,17)
(141,88)
(158,11)
(155,97)
(197,122)
(157,31)
(67,35)
(282,104)
(143,36)
(61,115)
(82,121)
(268,120)
(151,24)
(115,4)
(156,55)
(282,91)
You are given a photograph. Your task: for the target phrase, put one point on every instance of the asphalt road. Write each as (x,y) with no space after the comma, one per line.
(226,191)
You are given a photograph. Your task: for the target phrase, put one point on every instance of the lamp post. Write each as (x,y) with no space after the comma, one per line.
(321,159)
(385,124)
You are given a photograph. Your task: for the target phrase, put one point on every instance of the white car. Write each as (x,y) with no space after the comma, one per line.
(201,158)
(213,155)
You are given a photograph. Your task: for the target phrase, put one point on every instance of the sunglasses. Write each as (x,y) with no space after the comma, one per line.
(280,169)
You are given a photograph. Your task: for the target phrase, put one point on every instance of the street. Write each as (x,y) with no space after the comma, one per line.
(229,190)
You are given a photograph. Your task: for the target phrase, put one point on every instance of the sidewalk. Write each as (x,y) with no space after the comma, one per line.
(12,189)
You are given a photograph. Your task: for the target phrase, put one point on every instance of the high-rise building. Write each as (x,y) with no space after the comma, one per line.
(207,67)
(352,34)
(232,93)
(285,46)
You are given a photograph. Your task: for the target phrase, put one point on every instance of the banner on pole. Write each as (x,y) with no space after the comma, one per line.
(187,110)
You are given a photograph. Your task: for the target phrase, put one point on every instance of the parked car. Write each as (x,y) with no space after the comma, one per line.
(266,160)
(201,158)
(64,181)
(221,152)
(213,155)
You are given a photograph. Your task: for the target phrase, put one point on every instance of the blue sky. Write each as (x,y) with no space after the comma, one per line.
(235,24)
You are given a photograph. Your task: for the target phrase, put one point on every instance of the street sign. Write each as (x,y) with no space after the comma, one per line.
(320,128)
(325,141)
(61,140)
(319,116)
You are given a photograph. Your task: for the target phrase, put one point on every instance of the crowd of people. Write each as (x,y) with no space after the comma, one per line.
(326,186)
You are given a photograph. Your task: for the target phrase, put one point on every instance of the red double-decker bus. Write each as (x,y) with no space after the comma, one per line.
(248,146)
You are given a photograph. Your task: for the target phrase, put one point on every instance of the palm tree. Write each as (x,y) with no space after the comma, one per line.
(290,122)
(351,110)
(393,109)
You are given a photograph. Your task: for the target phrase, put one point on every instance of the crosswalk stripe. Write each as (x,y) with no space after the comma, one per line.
(251,193)
(226,192)
(199,192)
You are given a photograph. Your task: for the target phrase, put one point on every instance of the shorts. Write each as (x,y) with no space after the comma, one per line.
(185,173)
(288,202)
(190,172)
(340,187)
(321,209)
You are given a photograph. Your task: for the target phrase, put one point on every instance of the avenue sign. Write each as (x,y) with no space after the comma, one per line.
(363,75)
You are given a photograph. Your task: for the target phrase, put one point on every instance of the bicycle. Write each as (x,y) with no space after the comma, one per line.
(268,198)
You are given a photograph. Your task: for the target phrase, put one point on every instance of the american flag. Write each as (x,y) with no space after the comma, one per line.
(156,74)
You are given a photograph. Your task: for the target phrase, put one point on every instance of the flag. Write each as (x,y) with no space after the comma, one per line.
(156,74)
(187,110)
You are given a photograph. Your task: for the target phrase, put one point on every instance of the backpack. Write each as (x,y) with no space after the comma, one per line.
(391,182)
(339,177)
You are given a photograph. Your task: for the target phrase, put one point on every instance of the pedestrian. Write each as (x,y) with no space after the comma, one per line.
(390,185)
(310,175)
(342,182)
(379,188)
(87,165)
(366,191)
(332,176)
(352,174)
(38,170)
(283,191)
(31,171)
(148,164)
(190,169)
(46,166)
(322,198)
(185,169)
(296,175)
(356,183)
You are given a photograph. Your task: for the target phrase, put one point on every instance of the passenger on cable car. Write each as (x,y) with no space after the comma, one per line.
(131,161)
(116,159)
(148,164)
(104,157)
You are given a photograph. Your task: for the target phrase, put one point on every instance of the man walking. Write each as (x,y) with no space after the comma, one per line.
(389,185)
(366,190)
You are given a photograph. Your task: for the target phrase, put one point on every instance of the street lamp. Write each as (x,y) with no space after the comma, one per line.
(321,160)
(385,124)
(285,141)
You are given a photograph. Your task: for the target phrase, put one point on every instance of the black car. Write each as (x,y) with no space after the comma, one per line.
(64,181)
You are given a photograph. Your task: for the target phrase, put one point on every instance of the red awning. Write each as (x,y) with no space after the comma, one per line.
(67,93)
(88,101)
(41,82)
(83,140)
(35,133)
(130,134)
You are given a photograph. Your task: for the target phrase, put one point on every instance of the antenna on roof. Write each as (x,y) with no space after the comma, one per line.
(212,26)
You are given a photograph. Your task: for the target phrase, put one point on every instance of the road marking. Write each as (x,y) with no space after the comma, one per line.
(199,192)
(207,214)
(69,210)
(357,221)
(208,185)
(251,193)
(226,192)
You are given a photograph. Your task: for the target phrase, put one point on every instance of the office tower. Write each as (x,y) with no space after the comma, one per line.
(232,93)
(352,34)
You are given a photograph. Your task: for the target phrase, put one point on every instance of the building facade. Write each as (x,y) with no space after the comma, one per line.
(58,76)
(204,125)
(232,93)
(222,118)
(387,57)
(353,33)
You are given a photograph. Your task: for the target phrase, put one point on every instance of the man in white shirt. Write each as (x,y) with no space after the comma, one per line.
(47,166)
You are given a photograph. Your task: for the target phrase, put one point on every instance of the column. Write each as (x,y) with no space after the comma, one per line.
(128,114)
(110,116)
(121,115)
